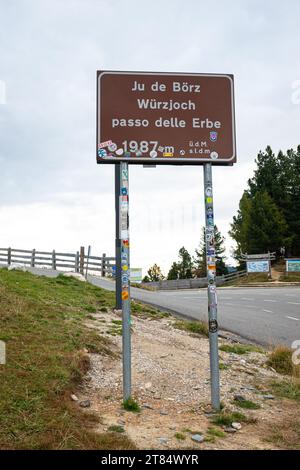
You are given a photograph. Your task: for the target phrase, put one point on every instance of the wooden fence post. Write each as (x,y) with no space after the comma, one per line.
(77,262)
(33,258)
(53,260)
(82,260)
(103,265)
(9,256)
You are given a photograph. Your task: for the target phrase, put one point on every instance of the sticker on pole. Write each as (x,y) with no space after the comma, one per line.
(165,118)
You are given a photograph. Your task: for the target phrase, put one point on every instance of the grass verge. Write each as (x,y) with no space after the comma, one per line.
(196,327)
(287,389)
(240,348)
(42,323)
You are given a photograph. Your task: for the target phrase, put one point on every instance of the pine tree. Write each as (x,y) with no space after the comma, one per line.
(199,261)
(269,211)
(173,272)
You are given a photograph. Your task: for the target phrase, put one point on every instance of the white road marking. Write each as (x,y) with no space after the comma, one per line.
(268,311)
(294,303)
(247,298)
(293,318)
(269,300)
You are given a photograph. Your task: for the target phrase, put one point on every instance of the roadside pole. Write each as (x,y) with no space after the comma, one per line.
(125,264)
(211,288)
(118,241)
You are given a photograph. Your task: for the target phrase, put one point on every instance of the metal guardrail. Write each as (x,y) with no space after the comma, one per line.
(78,262)
(193,283)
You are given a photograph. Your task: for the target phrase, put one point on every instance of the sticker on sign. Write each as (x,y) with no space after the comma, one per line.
(166,118)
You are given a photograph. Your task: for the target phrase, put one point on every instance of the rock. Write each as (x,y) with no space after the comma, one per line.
(239,398)
(236,426)
(85,404)
(197,438)
(229,429)
(148,385)
(268,396)
(163,440)
(163,413)
(74,398)
(146,405)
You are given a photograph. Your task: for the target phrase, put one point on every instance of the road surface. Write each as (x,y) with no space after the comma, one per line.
(267,316)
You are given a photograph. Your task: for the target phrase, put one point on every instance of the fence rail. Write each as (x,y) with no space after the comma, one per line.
(79,262)
(193,283)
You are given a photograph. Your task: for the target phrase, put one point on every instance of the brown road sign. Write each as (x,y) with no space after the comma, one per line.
(165,118)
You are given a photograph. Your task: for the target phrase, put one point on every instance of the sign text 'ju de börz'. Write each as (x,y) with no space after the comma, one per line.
(165,118)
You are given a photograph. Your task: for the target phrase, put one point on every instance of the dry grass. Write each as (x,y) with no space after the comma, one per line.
(280,359)
(286,435)
(42,323)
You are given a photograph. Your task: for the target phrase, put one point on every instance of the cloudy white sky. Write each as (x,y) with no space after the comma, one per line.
(52,193)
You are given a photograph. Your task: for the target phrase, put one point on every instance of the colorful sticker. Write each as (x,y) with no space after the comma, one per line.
(125,267)
(112,147)
(124,191)
(102,153)
(161,148)
(138,153)
(153,154)
(168,154)
(105,144)
(126,243)
(119,152)
(127,154)
(214,155)
(213,135)
(208,191)
(213,326)
(125,295)
(182,152)
(209,200)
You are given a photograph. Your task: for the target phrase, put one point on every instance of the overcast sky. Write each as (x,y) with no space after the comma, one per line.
(52,193)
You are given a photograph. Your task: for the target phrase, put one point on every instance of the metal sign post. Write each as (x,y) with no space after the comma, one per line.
(126,320)
(211,288)
(118,241)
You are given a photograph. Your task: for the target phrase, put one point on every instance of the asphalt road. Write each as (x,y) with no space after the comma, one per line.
(267,316)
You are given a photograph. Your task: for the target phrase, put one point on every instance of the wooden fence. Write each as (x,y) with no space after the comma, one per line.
(79,262)
(194,283)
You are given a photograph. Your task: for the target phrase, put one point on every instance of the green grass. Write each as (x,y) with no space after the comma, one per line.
(251,278)
(195,327)
(280,359)
(225,418)
(287,389)
(215,432)
(247,404)
(223,366)
(131,405)
(240,348)
(42,322)
(292,277)
(180,436)
(147,311)
(116,428)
